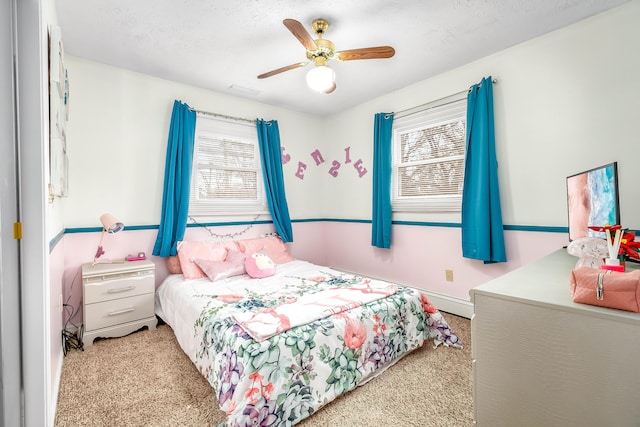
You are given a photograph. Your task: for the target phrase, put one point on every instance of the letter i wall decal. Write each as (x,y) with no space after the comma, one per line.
(318,159)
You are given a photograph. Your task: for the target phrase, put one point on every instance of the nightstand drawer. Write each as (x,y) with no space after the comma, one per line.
(118,298)
(109,313)
(106,288)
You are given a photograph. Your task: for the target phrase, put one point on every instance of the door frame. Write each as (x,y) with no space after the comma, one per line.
(10,346)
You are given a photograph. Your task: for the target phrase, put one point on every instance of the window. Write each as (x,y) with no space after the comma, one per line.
(428,157)
(227,176)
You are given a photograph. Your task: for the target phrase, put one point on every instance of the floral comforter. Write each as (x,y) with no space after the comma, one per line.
(282,379)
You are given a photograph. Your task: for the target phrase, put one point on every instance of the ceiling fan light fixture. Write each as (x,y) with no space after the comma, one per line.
(321,78)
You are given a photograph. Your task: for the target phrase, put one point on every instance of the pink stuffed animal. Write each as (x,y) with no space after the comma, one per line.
(259,265)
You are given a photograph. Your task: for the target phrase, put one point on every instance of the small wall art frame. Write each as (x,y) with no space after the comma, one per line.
(58,116)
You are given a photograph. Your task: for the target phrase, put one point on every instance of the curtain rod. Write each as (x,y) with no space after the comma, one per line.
(413,110)
(207,113)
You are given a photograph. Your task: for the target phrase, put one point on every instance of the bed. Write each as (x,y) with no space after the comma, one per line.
(278,346)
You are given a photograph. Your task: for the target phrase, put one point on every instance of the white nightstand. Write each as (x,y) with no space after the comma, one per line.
(117,299)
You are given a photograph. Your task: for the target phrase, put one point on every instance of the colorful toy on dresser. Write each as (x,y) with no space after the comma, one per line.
(621,246)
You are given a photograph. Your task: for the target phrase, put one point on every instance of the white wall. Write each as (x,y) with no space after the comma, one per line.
(564,102)
(117,139)
(562,105)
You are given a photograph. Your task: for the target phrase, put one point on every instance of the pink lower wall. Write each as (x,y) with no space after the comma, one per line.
(418,257)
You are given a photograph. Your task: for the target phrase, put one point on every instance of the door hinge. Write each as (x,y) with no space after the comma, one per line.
(17,230)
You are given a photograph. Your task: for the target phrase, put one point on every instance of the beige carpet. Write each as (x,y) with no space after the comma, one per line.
(144,379)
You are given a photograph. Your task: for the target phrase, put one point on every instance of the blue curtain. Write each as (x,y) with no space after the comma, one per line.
(271,158)
(177,179)
(482,232)
(381,216)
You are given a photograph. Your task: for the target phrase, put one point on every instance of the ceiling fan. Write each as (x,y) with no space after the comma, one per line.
(322,78)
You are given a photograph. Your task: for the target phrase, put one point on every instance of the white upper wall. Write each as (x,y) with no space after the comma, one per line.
(117,140)
(564,102)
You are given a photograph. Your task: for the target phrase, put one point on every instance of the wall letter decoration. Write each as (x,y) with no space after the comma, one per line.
(334,168)
(361,169)
(347,158)
(300,171)
(285,157)
(317,157)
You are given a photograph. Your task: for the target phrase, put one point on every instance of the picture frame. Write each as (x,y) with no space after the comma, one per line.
(58,116)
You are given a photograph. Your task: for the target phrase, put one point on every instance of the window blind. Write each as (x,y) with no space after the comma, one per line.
(227,177)
(428,158)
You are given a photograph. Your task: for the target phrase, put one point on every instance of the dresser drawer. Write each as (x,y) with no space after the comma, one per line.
(123,285)
(116,311)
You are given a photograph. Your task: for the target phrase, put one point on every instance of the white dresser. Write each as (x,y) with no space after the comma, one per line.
(539,359)
(117,299)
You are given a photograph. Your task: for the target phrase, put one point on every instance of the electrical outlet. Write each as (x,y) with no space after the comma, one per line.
(448,275)
(60,304)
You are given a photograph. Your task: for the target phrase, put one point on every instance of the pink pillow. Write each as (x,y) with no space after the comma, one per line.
(173,264)
(189,251)
(259,265)
(215,270)
(272,246)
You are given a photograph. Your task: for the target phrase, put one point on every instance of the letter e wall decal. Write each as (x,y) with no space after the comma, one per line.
(361,169)
(301,169)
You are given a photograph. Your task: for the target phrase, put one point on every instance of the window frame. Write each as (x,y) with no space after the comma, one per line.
(426,116)
(238,131)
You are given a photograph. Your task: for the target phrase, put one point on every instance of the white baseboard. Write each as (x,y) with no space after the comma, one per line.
(449,304)
(53,399)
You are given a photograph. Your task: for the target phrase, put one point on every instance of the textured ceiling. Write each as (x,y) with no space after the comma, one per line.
(217,44)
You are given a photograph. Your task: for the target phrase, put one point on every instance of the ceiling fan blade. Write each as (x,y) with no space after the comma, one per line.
(331,89)
(297,29)
(282,70)
(366,53)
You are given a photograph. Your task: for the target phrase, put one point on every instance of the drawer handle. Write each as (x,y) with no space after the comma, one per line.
(117,290)
(125,310)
